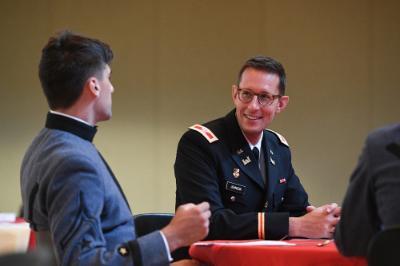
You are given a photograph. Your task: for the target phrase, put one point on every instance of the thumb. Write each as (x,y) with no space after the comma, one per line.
(310,208)
(331,207)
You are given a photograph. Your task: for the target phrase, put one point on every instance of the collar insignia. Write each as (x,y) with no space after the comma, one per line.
(246,160)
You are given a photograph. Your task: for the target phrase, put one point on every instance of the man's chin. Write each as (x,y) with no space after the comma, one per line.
(253,128)
(252,131)
(104,118)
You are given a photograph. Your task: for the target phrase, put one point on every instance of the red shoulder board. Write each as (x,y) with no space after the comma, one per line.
(207,133)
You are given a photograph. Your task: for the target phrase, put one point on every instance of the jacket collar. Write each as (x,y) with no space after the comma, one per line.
(240,149)
(82,130)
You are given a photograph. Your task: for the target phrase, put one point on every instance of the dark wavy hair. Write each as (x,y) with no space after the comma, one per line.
(67,61)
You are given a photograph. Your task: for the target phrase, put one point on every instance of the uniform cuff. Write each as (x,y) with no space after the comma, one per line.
(261,225)
(166,246)
(272,225)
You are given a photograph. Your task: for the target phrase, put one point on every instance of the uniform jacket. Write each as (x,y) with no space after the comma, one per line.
(373,195)
(214,163)
(69,191)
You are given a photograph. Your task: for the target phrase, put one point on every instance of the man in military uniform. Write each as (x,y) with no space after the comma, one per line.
(245,171)
(70,196)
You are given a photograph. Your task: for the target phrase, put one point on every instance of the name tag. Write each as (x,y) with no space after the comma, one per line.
(237,188)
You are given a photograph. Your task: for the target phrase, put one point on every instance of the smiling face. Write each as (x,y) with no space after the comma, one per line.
(252,117)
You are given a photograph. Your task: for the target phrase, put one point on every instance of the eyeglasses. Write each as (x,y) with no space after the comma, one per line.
(263,99)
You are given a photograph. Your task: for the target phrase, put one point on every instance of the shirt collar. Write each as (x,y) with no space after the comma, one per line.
(258,144)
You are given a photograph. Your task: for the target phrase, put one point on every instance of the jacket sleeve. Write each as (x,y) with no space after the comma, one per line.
(197,173)
(75,200)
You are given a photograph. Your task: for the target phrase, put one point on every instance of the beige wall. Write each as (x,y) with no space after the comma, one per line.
(175,62)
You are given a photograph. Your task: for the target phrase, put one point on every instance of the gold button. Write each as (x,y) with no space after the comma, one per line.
(233,198)
(123,251)
(266,204)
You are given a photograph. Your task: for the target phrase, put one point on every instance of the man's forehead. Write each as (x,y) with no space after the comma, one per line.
(256,77)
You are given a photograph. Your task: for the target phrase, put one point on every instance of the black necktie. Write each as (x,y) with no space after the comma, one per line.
(261,165)
(256,154)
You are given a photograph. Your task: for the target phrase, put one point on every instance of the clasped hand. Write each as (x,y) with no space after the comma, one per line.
(316,223)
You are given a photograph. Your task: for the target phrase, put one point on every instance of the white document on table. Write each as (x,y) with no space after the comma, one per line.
(7,217)
(245,243)
(14,237)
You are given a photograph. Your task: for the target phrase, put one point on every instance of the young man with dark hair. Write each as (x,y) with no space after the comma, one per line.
(70,196)
(244,170)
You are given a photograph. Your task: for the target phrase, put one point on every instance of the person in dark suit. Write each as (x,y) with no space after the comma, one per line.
(244,171)
(70,196)
(371,203)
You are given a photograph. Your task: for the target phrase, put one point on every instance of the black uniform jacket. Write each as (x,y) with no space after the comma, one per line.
(373,196)
(214,163)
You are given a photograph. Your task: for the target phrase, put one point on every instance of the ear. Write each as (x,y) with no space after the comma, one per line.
(234,92)
(282,103)
(92,85)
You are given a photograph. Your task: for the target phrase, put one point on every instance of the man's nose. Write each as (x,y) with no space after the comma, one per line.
(254,104)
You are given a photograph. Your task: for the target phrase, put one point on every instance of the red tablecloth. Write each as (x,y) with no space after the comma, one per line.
(305,252)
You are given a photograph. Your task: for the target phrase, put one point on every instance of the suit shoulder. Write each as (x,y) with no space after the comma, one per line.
(388,132)
(383,139)
(60,147)
(276,136)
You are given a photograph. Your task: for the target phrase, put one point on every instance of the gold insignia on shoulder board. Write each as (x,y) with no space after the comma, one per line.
(280,137)
(239,151)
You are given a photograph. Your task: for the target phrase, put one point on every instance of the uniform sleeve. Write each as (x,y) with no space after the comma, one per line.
(75,199)
(196,172)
